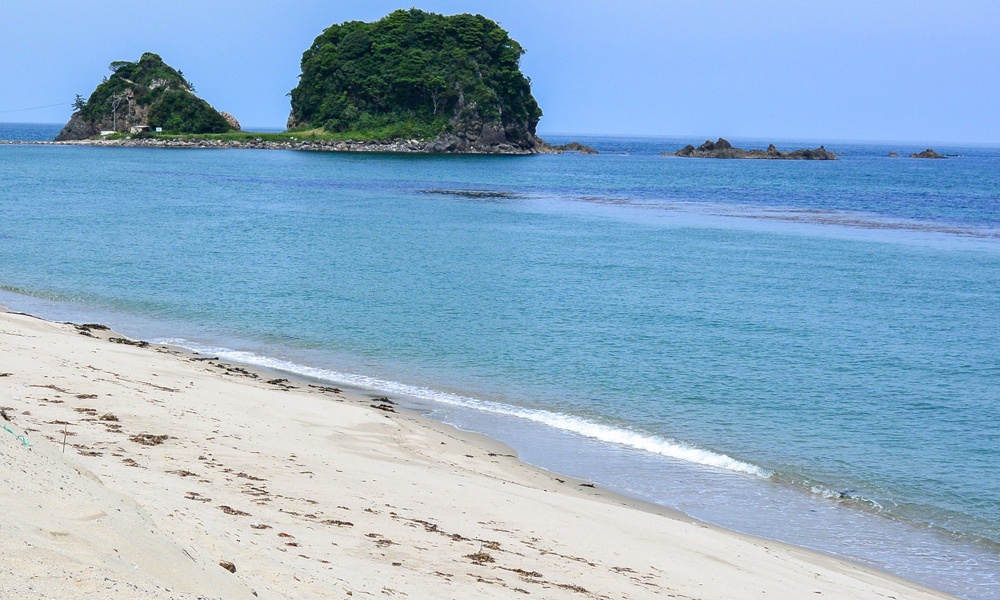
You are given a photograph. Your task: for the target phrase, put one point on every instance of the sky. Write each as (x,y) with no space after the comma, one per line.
(920,71)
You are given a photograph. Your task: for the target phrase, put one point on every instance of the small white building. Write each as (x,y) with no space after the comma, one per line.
(139,129)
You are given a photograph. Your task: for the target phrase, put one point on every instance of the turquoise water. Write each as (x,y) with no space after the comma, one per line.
(801,350)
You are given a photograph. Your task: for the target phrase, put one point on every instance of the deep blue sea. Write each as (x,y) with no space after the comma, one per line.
(802,350)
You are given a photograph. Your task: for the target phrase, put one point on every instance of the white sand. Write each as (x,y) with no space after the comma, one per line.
(342,500)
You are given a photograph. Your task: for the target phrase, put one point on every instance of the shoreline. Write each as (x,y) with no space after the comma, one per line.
(386,147)
(499,489)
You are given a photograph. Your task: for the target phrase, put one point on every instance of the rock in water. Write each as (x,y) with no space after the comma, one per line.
(575,147)
(723,149)
(928,153)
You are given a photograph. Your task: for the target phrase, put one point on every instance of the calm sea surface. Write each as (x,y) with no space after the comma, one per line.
(808,351)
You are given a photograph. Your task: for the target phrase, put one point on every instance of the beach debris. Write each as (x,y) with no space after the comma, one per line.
(380,540)
(90,453)
(3,413)
(183,473)
(53,387)
(586,485)
(20,436)
(324,388)
(86,410)
(250,477)
(286,535)
(523,573)
(86,396)
(148,439)
(203,358)
(130,462)
(256,525)
(229,510)
(108,417)
(278,381)
(87,328)
(225,564)
(128,342)
(490,545)
(383,407)
(5,374)
(230,370)
(337,522)
(480,558)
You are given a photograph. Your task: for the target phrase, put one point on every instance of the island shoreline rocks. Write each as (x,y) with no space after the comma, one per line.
(723,149)
(435,146)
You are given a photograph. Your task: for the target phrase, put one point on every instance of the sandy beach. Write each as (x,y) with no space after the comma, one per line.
(184,476)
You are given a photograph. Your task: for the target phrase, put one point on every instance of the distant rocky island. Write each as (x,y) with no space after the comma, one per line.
(723,149)
(928,153)
(143,96)
(413,81)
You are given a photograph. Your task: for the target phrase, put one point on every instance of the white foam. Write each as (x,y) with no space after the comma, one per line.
(606,433)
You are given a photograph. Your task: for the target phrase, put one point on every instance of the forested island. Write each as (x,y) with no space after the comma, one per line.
(455,80)
(413,81)
(142,96)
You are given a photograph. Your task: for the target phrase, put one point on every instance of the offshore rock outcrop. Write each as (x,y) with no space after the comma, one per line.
(928,153)
(723,149)
(575,147)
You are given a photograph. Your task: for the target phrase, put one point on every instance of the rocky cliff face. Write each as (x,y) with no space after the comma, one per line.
(723,149)
(78,128)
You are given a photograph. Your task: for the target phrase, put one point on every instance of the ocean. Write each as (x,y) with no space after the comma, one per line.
(807,351)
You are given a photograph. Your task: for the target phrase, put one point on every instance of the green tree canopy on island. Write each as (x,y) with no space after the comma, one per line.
(414,73)
(160,93)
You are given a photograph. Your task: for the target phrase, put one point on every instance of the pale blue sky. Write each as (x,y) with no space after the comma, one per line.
(918,71)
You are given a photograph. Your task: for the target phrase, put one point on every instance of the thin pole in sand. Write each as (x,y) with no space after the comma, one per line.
(65,433)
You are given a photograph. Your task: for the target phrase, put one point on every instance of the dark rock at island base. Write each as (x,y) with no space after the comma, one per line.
(928,153)
(723,149)
(575,147)
(489,138)
(77,129)
(893,155)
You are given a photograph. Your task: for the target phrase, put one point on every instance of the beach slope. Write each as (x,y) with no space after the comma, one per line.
(185,476)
